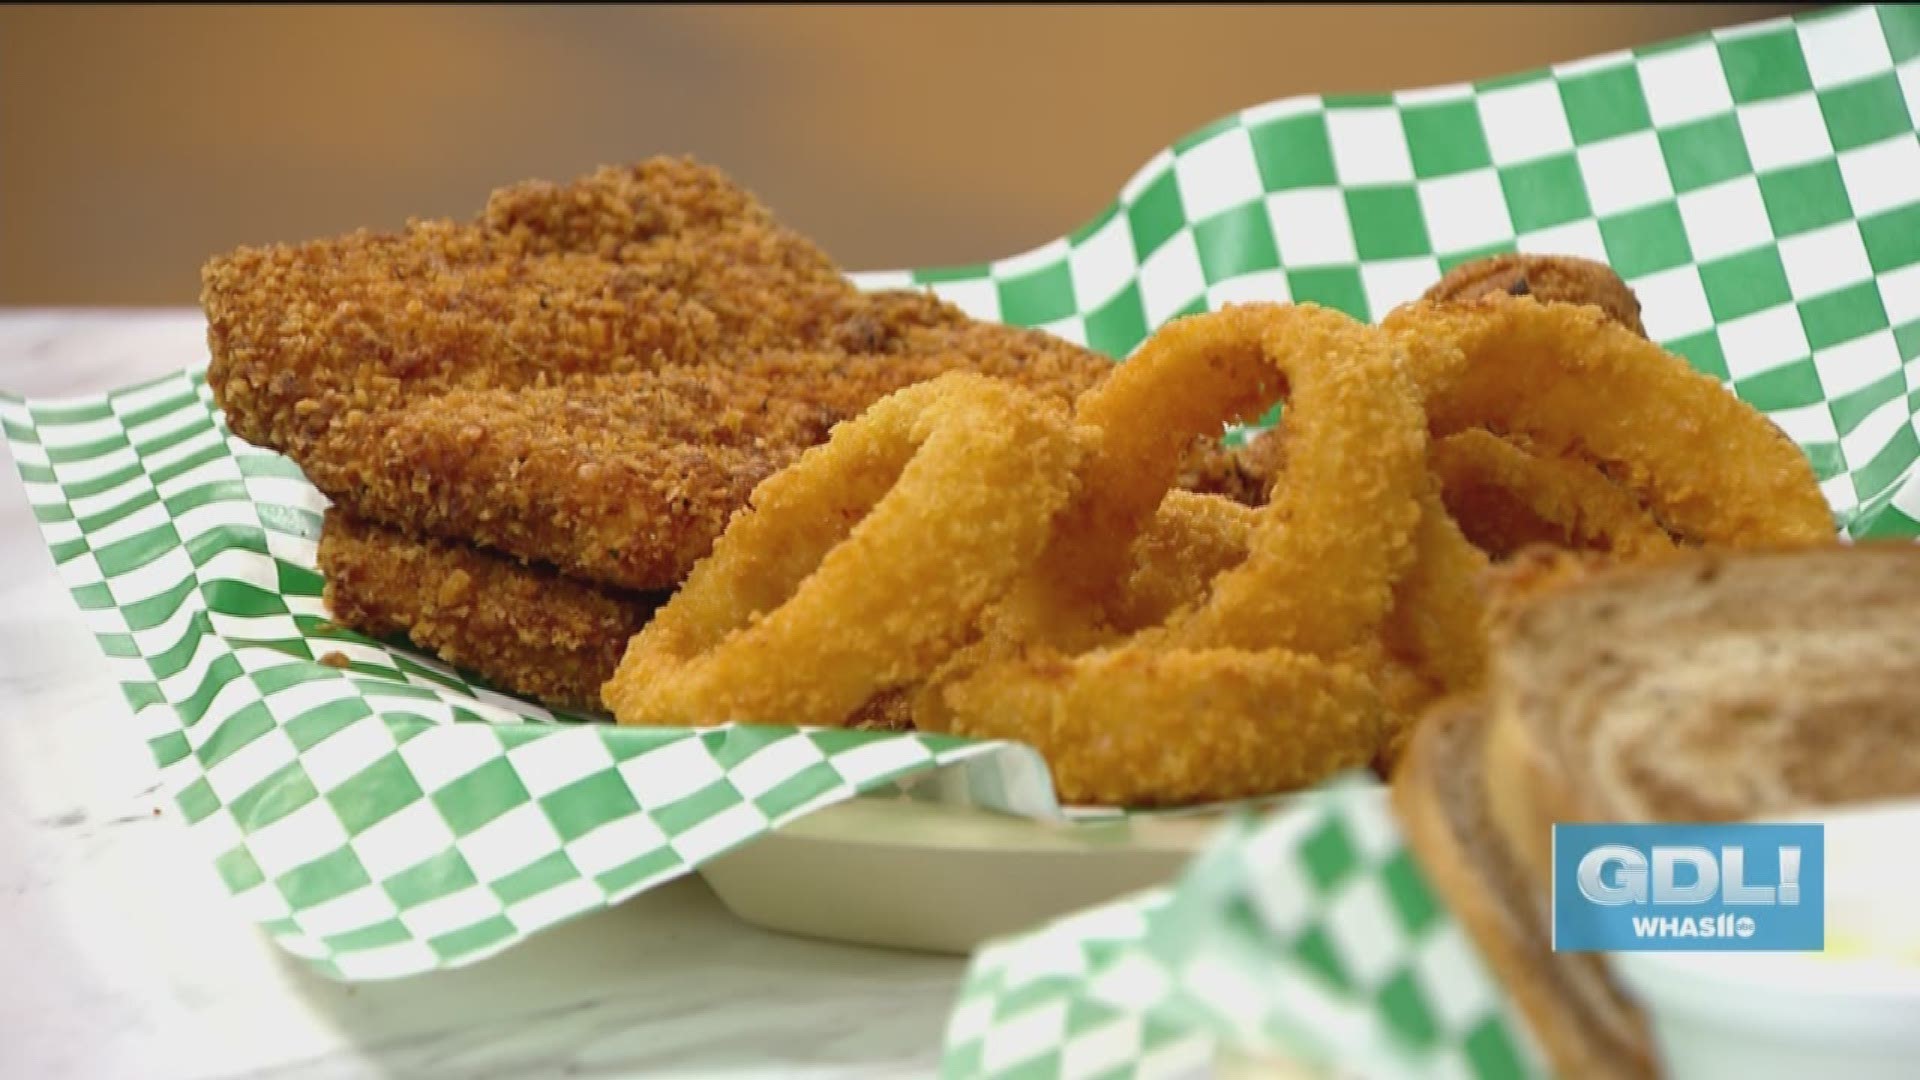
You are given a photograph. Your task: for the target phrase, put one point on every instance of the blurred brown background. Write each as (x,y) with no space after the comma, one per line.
(138,141)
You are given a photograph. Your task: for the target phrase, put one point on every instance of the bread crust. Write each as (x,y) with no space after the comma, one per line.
(1582,1021)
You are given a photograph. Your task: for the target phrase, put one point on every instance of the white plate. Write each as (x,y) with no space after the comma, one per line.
(935,878)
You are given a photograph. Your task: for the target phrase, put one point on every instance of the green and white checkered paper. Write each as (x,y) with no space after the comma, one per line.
(1758,187)
(1306,937)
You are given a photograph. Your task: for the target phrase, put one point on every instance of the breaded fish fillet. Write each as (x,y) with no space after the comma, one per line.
(526,629)
(591,376)
(666,262)
(626,480)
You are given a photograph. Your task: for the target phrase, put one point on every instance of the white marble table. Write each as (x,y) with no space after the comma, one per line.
(121,957)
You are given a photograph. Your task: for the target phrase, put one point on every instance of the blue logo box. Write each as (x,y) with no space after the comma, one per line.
(1689,888)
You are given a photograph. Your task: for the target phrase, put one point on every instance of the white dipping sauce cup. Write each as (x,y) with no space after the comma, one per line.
(1852,1013)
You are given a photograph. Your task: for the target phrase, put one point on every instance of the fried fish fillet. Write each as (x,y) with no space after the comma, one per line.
(590,376)
(626,480)
(666,262)
(526,629)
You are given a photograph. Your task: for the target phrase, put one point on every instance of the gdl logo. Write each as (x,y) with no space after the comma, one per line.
(1729,888)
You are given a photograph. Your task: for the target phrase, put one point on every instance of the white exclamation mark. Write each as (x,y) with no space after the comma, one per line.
(1789,875)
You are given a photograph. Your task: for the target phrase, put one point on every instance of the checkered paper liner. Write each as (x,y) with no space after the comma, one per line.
(1756,186)
(1306,937)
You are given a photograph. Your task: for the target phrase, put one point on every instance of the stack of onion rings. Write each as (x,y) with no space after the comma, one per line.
(1263,683)
(970,560)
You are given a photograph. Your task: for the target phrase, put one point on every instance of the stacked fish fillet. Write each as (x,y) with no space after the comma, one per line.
(532,425)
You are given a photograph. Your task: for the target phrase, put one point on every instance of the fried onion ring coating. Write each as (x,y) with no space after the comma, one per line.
(1189,379)
(1506,498)
(1337,534)
(1711,468)
(1355,459)
(1190,541)
(1146,727)
(860,567)
(1434,640)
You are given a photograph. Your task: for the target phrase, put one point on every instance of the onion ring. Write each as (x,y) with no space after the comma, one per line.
(1355,453)
(1144,727)
(861,566)
(1711,468)
(1434,641)
(1250,690)
(1189,542)
(1193,376)
(1439,614)
(1507,498)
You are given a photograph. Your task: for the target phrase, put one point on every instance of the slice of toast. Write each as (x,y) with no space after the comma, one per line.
(1582,1021)
(1705,687)
(1711,687)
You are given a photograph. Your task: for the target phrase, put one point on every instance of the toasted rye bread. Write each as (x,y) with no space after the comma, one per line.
(1712,687)
(1582,1021)
(1705,687)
